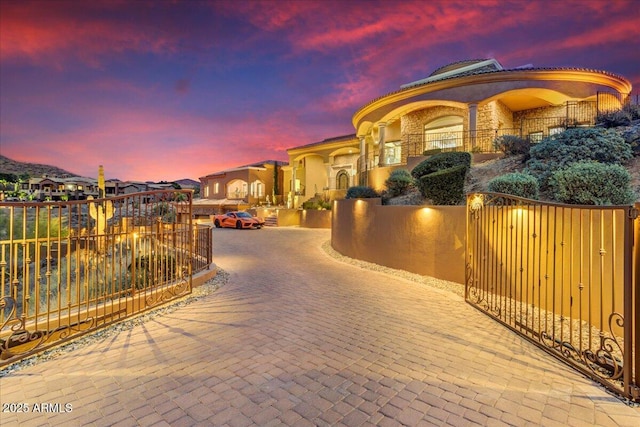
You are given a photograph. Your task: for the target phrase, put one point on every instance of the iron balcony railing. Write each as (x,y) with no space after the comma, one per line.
(67,268)
(481,140)
(562,276)
(233,195)
(612,101)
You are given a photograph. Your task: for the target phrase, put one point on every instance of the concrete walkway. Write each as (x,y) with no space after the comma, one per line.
(298,338)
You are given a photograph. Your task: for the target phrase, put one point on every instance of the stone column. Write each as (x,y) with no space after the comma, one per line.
(293,177)
(473,123)
(381,160)
(362,160)
(328,168)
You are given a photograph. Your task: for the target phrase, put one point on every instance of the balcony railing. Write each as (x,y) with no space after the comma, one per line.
(234,195)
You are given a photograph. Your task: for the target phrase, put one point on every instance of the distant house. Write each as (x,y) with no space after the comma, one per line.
(239,188)
(51,188)
(462,106)
(324,169)
(79,188)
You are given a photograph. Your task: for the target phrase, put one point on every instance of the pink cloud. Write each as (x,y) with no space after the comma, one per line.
(52,35)
(156,143)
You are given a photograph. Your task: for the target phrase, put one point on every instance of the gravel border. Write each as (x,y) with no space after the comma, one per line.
(443,285)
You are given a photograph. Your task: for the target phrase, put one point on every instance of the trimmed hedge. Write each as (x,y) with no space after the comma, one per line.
(592,183)
(361,192)
(432,151)
(399,181)
(517,184)
(444,187)
(441,161)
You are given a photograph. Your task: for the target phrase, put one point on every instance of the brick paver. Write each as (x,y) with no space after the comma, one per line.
(298,338)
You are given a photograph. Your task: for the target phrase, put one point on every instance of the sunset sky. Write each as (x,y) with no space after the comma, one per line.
(164,90)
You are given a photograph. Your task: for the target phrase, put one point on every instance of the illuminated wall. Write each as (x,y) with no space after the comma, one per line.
(418,239)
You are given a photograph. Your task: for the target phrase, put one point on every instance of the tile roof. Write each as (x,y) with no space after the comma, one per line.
(484,71)
(325,141)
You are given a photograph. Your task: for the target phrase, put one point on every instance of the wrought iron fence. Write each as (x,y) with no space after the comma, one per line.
(71,267)
(480,140)
(563,277)
(612,101)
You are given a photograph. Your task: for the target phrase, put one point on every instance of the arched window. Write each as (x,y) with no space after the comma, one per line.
(237,189)
(342,180)
(444,132)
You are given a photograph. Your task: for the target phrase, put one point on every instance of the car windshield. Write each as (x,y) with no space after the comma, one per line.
(243,215)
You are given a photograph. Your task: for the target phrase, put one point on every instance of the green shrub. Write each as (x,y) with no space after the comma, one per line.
(517,184)
(399,181)
(575,145)
(444,187)
(153,270)
(612,119)
(165,211)
(633,110)
(621,117)
(316,205)
(632,137)
(441,161)
(361,192)
(592,183)
(511,145)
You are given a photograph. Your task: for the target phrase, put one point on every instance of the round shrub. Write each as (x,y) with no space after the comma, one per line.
(592,183)
(517,184)
(511,145)
(576,145)
(361,192)
(444,187)
(399,181)
(441,161)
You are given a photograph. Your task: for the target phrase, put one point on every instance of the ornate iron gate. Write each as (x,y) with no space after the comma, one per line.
(74,266)
(562,276)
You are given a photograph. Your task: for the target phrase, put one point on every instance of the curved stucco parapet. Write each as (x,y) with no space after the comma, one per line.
(573,84)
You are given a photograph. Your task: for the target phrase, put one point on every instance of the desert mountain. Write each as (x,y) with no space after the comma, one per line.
(14,167)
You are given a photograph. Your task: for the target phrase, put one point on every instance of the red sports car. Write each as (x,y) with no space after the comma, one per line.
(238,220)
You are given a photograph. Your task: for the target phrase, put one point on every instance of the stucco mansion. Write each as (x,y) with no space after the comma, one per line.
(462,106)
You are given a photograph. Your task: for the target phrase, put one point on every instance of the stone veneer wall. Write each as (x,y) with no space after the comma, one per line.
(494,116)
(541,119)
(412,126)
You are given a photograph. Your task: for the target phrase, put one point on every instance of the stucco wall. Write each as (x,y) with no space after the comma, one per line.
(393,131)
(314,178)
(296,217)
(315,219)
(424,240)
(379,175)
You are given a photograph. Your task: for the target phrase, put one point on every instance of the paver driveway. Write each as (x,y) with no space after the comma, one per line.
(298,338)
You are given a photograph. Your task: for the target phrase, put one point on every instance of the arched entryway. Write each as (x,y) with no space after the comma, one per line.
(342,180)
